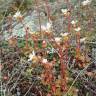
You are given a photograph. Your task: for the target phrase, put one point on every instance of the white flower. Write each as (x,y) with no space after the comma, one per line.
(64,11)
(57,39)
(86,2)
(44,61)
(64,34)
(46,27)
(83,39)
(43,28)
(77,29)
(31,56)
(74,22)
(17,15)
(49,25)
